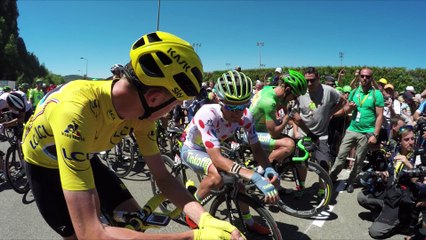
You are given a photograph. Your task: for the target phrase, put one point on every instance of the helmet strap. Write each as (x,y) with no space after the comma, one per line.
(142,89)
(148,111)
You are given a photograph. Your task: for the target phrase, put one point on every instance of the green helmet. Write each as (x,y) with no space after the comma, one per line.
(7,89)
(339,89)
(233,87)
(296,81)
(347,88)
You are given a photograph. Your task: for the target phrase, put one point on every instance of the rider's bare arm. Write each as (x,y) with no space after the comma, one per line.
(342,102)
(259,155)
(173,189)
(274,129)
(299,122)
(225,164)
(14,122)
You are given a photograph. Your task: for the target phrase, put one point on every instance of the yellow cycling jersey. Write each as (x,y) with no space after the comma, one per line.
(73,122)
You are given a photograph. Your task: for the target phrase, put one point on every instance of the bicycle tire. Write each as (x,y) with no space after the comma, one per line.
(307,202)
(121,161)
(172,167)
(15,171)
(220,210)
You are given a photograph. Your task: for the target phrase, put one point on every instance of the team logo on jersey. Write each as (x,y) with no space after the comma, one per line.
(40,133)
(119,134)
(72,132)
(94,104)
(209,123)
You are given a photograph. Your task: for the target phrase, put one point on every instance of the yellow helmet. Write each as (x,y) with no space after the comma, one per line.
(165,60)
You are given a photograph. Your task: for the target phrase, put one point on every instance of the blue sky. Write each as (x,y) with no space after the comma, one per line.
(294,33)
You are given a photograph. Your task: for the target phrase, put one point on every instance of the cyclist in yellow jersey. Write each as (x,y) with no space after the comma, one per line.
(71,123)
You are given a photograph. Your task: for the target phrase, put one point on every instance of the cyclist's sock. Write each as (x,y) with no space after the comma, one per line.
(198,198)
(248,218)
(321,192)
(253,226)
(301,186)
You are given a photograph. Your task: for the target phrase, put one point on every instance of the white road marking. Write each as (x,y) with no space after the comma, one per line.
(320,219)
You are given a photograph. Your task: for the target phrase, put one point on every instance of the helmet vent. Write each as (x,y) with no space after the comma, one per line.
(198,75)
(153,37)
(164,58)
(149,66)
(138,43)
(185,84)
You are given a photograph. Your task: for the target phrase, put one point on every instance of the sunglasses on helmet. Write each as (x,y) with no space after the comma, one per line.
(405,128)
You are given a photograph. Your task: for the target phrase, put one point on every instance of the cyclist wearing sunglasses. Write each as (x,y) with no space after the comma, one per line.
(214,123)
(71,123)
(265,107)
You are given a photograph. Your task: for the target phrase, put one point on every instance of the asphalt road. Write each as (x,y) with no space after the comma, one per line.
(345,219)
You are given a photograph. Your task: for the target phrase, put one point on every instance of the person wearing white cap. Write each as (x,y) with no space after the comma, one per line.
(277,76)
(279,70)
(259,85)
(421,110)
(411,89)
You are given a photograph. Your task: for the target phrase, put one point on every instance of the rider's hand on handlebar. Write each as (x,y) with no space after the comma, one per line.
(272,176)
(271,194)
(212,228)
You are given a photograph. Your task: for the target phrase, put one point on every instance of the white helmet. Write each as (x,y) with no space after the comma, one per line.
(16,101)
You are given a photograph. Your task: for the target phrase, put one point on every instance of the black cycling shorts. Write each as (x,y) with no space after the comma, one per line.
(47,190)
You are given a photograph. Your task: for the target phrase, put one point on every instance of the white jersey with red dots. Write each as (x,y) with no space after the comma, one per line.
(208,128)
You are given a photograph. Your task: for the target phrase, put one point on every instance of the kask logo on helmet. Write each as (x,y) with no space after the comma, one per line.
(173,54)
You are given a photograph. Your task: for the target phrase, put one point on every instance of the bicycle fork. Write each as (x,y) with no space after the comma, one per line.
(297,176)
(232,220)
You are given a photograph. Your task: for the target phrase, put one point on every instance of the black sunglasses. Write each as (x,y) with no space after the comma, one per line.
(365,76)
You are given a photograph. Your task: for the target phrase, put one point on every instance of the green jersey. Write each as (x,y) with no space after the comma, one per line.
(264,107)
(35,96)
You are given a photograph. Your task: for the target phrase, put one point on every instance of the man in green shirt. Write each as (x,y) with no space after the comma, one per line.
(36,94)
(367,117)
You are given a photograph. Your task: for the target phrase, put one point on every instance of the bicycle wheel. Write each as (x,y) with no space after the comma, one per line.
(220,209)
(15,171)
(173,168)
(121,158)
(309,200)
